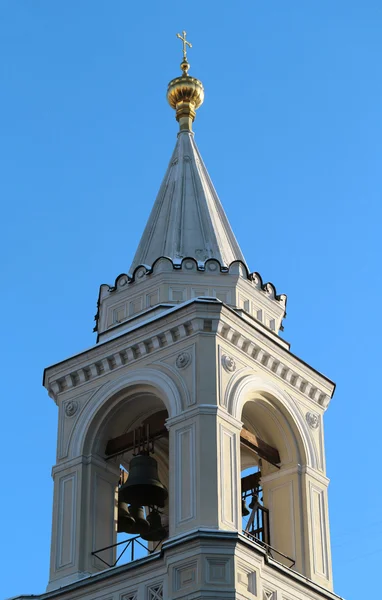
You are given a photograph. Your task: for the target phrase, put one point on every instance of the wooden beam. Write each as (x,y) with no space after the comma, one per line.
(250,482)
(125,442)
(262,449)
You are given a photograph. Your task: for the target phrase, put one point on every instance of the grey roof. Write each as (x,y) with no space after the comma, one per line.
(187,218)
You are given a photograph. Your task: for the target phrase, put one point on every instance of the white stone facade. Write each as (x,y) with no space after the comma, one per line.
(191,334)
(212,369)
(205,566)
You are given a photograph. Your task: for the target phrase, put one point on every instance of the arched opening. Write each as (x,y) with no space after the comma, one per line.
(127,427)
(142,527)
(271,490)
(255,514)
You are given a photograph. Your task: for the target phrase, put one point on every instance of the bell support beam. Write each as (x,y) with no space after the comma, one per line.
(261,448)
(125,443)
(250,482)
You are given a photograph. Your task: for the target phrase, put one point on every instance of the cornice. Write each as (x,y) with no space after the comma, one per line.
(204,409)
(300,470)
(209,317)
(275,359)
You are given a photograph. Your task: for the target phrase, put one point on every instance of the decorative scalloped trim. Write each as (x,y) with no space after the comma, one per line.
(236,266)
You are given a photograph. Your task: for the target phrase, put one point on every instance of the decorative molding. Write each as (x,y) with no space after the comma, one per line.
(256,383)
(247,577)
(184,377)
(130,596)
(273,364)
(228,363)
(204,409)
(185,575)
(183,360)
(278,507)
(217,570)
(185,469)
(269,595)
(66,521)
(313,420)
(200,266)
(107,396)
(118,358)
(228,483)
(71,408)
(129,288)
(155,592)
(319,531)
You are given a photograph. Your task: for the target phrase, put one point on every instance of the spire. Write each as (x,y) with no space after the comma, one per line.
(187,219)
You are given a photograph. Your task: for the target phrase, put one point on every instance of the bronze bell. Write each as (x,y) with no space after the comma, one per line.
(141,525)
(253,505)
(244,508)
(157,532)
(125,520)
(143,487)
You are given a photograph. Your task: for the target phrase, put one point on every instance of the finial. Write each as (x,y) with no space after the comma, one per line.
(185,93)
(185,64)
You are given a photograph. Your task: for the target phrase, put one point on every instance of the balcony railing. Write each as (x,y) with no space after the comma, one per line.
(258,524)
(132,547)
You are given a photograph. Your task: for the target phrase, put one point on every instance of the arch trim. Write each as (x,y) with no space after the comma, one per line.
(256,384)
(161,383)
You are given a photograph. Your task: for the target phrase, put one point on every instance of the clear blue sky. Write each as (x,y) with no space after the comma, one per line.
(291,132)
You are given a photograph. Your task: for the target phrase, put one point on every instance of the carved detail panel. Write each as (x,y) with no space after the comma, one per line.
(66,516)
(185,576)
(228,363)
(218,571)
(183,360)
(103,497)
(130,596)
(155,592)
(282,524)
(185,478)
(71,408)
(320,543)
(313,420)
(228,477)
(247,578)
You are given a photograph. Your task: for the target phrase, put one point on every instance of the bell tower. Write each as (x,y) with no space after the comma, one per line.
(190,437)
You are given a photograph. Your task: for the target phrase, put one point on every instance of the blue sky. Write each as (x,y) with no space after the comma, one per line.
(291,132)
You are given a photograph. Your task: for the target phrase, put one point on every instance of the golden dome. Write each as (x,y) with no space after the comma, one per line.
(185,89)
(185,93)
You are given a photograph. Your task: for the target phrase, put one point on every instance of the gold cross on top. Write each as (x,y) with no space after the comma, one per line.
(185,44)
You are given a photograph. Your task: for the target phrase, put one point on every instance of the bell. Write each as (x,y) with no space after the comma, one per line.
(141,525)
(143,487)
(156,533)
(125,520)
(254,502)
(244,508)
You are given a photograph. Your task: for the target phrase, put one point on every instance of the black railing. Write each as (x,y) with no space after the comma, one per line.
(129,545)
(258,524)
(269,549)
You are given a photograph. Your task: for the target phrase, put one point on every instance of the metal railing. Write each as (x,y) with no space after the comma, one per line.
(131,545)
(257,527)
(258,524)
(269,549)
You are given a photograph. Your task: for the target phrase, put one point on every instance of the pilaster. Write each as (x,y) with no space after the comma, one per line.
(84,491)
